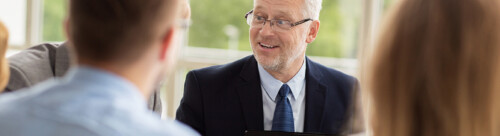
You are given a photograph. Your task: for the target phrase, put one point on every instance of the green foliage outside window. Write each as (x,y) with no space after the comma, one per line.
(54,12)
(387,4)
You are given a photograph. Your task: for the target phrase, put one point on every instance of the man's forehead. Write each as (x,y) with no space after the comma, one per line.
(279,7)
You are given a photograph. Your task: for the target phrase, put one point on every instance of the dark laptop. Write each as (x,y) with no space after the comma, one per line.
(274,133)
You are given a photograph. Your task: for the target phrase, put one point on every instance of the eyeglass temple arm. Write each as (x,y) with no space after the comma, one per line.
(300,22)
(249,12)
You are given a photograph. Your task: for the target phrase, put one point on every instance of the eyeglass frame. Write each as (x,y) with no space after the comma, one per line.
(270,21)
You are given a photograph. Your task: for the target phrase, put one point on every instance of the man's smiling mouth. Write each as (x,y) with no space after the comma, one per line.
(267,46)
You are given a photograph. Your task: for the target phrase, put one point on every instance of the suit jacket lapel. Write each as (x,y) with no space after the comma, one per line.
(62,60)
(250,95)
(315,98)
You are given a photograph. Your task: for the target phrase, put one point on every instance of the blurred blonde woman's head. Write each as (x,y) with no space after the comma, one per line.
(435,70)
(4,67)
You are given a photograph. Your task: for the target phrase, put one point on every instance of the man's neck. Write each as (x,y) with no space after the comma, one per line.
(287,73)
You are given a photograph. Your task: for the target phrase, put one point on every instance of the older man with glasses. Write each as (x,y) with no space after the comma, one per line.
(277,88)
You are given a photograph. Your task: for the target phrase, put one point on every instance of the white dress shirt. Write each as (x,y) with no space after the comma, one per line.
(270,88)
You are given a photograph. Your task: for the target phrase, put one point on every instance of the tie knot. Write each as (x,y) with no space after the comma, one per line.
(284,90)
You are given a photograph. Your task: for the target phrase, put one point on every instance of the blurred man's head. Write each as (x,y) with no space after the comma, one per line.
(282,42)
(133,38)
(120,31)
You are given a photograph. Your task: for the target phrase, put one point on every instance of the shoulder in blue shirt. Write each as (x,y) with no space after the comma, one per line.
(85,102)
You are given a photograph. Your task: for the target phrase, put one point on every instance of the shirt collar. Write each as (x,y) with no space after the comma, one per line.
(272,85)
(114,85)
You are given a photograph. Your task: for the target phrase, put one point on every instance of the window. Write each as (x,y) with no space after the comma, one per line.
(54,12)
(13,15)
(388,3)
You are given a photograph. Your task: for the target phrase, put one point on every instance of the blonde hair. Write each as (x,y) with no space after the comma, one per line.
(4,67)
(435,71)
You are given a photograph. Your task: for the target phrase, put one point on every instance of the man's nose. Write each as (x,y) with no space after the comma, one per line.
(267,29)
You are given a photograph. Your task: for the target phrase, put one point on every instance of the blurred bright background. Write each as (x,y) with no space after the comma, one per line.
(218,34)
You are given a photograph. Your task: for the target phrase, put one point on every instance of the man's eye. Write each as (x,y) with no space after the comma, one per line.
(259,18)
(281,22)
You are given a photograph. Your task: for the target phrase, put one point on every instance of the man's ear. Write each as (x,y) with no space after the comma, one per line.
(167,43)
(313,31)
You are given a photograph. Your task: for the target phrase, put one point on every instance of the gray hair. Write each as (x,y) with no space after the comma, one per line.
(312,8)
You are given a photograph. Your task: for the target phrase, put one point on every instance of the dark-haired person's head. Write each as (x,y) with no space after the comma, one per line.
(126,36)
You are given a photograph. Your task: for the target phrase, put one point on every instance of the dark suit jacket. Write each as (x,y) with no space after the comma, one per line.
(226,100)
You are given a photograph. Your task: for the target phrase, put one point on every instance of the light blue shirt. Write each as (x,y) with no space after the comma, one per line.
(270,88)
(86,102)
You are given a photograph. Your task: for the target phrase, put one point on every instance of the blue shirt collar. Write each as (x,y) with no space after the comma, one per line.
(104,80)
(272,85)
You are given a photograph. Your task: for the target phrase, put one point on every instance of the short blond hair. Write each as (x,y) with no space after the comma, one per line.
(4,65)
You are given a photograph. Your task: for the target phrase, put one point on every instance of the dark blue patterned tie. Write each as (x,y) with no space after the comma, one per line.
(283,115)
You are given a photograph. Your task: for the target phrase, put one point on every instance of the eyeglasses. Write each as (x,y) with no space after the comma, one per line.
(256,21)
